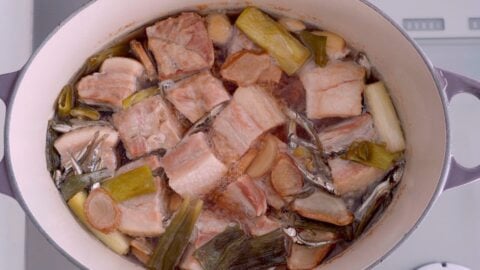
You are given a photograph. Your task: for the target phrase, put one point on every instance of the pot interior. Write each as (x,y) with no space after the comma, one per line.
(405,72)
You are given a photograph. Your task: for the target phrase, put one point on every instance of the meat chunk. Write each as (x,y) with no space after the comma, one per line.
(152,161)
(208,225)
(197,95)
(262,225)
(180,45)
(192,167)
(273,198)
(324,207)
(251,112)
(143,215)
(338,137)
(118,78)
(334,90)
(349,176)
(147,126)
(240,41)
(246,68)
(73,142)
(244,198)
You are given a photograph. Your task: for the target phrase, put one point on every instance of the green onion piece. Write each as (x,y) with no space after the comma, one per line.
(139,96)
(210,254)
(133,183)
(76,183)
(318,45)
(182,238)
(173,242)
(84,112)
(274,38)
(371,154)
(65,101)
(53,158)
(94,62)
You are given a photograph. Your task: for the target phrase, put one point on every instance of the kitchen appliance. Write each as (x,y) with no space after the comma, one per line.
(410,51)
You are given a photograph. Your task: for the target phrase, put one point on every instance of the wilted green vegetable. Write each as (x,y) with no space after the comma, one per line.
(139,96)
(274,38)
(76,183)
(133,183)
(84,112)
(210,254)
(94,62)
(371,154)
(65,101)
(174,240)
(318,45)
(53,158)
(232,249)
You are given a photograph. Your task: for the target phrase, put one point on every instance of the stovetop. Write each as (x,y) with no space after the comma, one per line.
(450,230)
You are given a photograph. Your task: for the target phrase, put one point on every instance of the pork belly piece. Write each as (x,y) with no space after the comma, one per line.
(246,68)
(75,141)
(142,249)
(262,225)
(338,137)
(192,167)
(334,90)
(118,78)
(243,198)
(180,45)
(143,215)
(349,176)
(152,161)
(239,41)
(147,126)
(324,207)
(208,225)
(251,113)
(273,198)
(197,95)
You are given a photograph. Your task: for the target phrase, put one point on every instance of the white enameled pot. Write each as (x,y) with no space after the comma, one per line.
(420,94)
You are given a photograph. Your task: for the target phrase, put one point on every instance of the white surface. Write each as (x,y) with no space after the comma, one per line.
(12,234)
(16,39)
(455,14)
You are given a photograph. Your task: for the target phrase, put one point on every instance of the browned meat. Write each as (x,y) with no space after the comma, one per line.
(305,258)
(250,113)
(147,126)
(192,168)
(324,207)
(349,176)
(262,225)
(181,45)
(118,78)
(246,68)
(152,161)
(338,137)
(197,95)
(291,92)
(75,141)
(243,198)
(334,90)
(143,215)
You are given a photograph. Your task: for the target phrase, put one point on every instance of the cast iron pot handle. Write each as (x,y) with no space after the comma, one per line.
(7,83)
(456,84)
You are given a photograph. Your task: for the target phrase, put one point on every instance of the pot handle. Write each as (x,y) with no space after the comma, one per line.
(455,84)
(7,83)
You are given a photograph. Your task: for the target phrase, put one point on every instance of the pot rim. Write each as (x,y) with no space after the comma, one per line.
(438,83)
